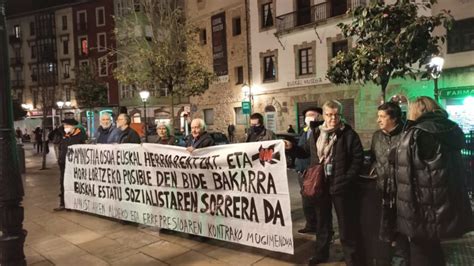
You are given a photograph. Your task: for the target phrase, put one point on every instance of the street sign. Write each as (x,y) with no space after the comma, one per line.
(246,108)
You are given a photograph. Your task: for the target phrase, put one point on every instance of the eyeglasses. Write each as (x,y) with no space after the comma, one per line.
(332,115)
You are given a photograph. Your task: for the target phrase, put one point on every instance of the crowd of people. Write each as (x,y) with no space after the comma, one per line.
(397,200)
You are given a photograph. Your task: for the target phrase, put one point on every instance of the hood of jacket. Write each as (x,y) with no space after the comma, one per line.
(444,130)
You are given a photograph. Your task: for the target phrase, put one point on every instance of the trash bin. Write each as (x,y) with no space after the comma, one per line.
(21,157)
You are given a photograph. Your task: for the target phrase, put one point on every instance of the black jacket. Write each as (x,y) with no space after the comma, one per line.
(129,135)
(76,137)
(432,200)
(265,134)
(348,157)
(204,140)
(107,135)
(382,144)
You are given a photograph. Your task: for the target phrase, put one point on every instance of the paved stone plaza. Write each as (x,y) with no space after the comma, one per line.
(75,238)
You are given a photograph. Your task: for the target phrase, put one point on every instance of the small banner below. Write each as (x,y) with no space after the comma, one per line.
(237,193)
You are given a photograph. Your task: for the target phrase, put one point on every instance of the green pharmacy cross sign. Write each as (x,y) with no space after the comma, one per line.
(246,107)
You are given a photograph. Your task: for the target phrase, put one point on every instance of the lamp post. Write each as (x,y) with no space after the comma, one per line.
(436,67)
(144,95)
(60,105)
(12,235)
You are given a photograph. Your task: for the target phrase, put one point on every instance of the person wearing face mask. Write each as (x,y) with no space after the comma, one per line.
(198,138)
(257,131)
(72,136)
(313,117)
(336,146)
(106,133)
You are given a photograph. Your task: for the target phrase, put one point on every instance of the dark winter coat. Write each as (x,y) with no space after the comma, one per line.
(347,162)
(129,135)
(169,141)
(432,200)
(203,140)
(382,143)
(108,135)
(265,134)
(76,137)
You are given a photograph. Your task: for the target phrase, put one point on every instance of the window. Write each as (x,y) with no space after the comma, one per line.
(82,20)
(461,36)
(65,47)
(17,31)
(202,36)
(83,45)
(339,46)
(33,51)
(64,22)
(32,28)
(102,63)
(34,74)
(239,74)
(101,42)
(35,98)
(84,63)
(67,89)
(240,118)
(267,15)
(236,27)
(136,5)
(66,70)
(100,16)
(305,61)
(209,116)
(269,71)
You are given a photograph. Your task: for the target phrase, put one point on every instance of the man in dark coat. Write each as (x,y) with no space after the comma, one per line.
(231,132)
(127,134)
(258,131)
(198,138)
(337,147)
(72,136)
(106,133)
(432,201)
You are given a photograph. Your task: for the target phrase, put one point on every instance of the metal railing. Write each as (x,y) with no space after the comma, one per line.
(468,156)
(16,61)
(314,14)
(17,83)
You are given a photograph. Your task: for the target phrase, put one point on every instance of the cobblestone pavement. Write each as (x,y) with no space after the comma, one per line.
(75,238)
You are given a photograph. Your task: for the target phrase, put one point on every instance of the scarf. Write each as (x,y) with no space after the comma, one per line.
(325,142)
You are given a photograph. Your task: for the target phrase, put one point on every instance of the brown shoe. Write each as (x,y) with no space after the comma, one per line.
(60,208)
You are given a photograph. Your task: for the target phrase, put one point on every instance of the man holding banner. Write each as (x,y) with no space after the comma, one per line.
(72,136)
(198,138)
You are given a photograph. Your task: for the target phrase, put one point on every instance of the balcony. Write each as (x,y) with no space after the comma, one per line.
(15,39)
(16,61)
(314,14)
(82,27)
(17,84)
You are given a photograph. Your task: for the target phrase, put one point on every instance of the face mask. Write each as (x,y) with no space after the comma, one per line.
(68,130)
(257,129)
(308,120)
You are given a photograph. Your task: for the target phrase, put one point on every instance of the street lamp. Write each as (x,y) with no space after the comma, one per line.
(12,235)
(60,105)
(144,95)
(436,67)
(67,104)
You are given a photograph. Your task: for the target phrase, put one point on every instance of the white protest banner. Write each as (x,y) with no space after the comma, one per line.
(237,193)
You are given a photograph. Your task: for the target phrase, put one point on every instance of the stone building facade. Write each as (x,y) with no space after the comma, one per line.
(223,39)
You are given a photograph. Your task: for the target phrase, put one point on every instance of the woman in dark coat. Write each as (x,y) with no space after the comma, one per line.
(432,202)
